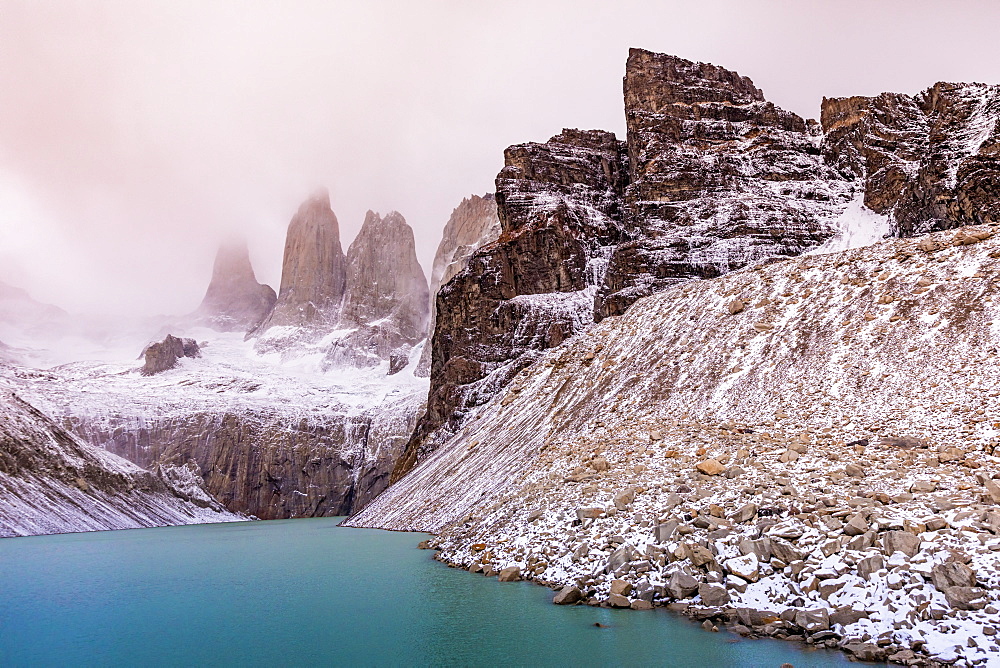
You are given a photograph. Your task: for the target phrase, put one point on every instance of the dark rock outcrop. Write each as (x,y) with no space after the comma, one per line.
(558,206)
(234,301)
(313,271)
(164,354)
(719,178)
(386,295)
(473,224)
(712,178)
(930,161)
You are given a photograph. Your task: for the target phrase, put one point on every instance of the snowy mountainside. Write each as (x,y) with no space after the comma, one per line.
(270,439)
(50,482)
(769,440)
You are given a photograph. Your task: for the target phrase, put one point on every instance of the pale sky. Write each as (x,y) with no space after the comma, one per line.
(135,135)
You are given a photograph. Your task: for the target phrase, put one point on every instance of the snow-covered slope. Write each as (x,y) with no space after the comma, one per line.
(50,482)
(271,439)
(848,403)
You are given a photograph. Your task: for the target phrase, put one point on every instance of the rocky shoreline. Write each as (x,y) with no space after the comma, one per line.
(889,575)
(796,451)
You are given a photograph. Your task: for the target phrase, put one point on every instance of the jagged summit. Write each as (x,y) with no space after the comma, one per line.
(384,278)
(719,178)
(711,178)
(660,79)
(313,271)
(386,300)
(235,301)
(359,309)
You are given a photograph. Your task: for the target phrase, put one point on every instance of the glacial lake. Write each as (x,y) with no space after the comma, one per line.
(308,593)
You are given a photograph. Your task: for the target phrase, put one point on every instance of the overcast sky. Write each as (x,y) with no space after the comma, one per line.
(135,135)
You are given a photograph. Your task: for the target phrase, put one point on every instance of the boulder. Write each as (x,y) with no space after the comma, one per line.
(510,574)
(746,567)
(623,587)
(710,467)
(162,356)
(621,556)
(663,532)
(900,541)
(681,585)
(784,551)
(760,548)
(856,526)
(619,601)
(624,498)
(870,565)
(698,554)
(813,620)
(967,598)
(745,514)
(713,595)
(952,574)
(568,595)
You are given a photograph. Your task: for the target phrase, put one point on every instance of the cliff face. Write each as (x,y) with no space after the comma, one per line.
(719,178)
(313,271)
(268,441)
(256,463)
(386,295)
(929,161)
(234,301)
(50,482)
(712,178)
(532,288)
(473,224)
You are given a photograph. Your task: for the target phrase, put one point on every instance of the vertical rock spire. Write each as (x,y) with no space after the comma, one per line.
(314,269)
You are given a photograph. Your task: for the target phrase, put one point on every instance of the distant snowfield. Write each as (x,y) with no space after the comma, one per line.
(859,227)
(229,376)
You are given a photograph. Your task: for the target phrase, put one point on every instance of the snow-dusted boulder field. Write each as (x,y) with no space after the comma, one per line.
(804,449)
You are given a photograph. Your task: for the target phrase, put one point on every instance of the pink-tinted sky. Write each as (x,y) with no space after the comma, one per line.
(135,135)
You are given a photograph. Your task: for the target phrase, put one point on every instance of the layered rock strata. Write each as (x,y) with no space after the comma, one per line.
(558,205)
(930,161)
(804,450)
(719,178)
(271,442)
(50,482)
(711,178)
(234,301)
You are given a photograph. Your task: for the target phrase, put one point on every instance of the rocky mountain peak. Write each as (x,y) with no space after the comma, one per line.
(313,271)
(711,178)
(384,278)
(655,81)
(386,298)
(234,299)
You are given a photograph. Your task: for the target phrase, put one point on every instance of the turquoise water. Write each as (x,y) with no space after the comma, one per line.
(306,593)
